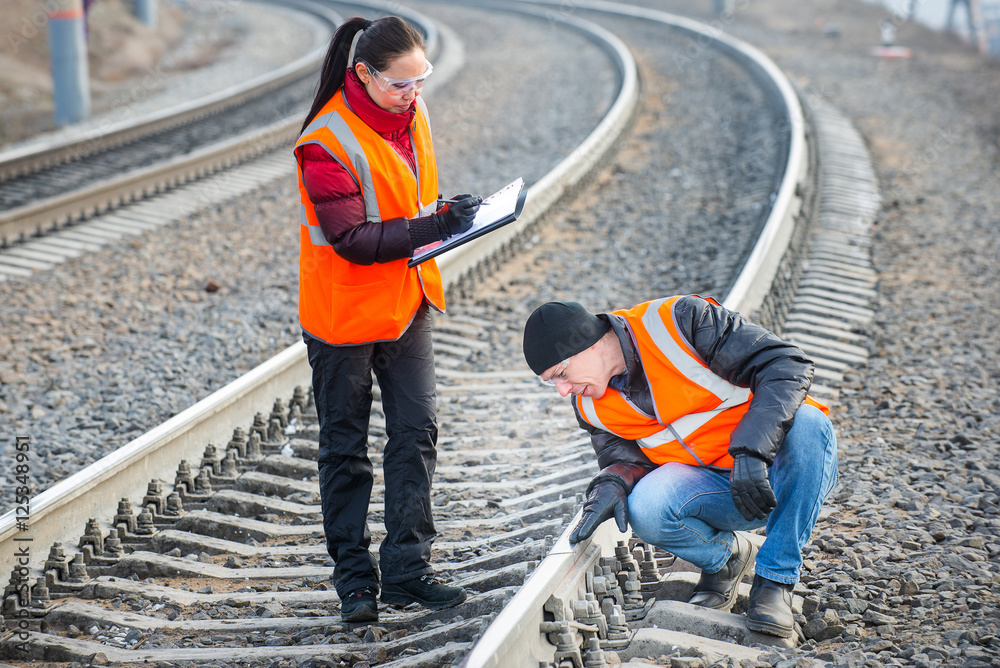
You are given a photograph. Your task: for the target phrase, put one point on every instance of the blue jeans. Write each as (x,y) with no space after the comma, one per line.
(688,511)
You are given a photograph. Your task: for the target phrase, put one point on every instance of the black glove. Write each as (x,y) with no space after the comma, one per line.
(607,498)
(456,217)
(750,488)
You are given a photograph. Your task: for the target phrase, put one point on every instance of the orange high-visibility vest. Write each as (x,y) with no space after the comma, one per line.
(344,303)
(696,410)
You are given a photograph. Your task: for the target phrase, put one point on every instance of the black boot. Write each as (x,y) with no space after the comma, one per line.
(770,609)
(359,606)
(426,590)
(718,590)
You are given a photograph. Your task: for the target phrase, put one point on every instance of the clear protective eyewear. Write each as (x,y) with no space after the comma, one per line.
(394,87)
(558,376)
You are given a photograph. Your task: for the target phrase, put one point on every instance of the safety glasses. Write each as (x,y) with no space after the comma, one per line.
(558,376)
(398,86)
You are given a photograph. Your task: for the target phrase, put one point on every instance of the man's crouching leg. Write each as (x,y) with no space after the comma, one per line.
(718,590)
(688,511)
(803,474)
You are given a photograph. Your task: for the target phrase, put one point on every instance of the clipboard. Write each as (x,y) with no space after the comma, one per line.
(497,210)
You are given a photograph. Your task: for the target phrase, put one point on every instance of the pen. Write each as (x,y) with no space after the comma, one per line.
(455,201)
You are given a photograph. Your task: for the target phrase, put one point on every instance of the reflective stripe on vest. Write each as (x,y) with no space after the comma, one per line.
(702,408)
(343,303)
(680,383)
(686,360)
(315,231)
(359,167)
(586,405)
(689,364)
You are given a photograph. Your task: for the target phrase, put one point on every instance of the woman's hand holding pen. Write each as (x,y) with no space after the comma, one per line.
(457,214)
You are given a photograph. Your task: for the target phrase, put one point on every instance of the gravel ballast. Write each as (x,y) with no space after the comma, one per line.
(902,569)
(101,349)
(905,567)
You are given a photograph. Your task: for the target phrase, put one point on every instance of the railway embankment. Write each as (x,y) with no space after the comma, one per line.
(903,568)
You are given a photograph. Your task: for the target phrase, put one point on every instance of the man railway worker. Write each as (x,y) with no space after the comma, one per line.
(703,429)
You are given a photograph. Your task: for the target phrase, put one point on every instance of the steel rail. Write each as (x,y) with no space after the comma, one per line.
(513,639)
(95,491)
(573,169)
(752,284)
(55,212)
(34,156)
(124,473)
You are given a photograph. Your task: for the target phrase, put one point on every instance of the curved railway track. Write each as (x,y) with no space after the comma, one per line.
(213,555)
(50,186)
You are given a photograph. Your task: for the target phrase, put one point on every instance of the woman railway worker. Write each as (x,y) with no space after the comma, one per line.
(369,190)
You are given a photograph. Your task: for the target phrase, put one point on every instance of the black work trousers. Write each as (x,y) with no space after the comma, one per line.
(342,387)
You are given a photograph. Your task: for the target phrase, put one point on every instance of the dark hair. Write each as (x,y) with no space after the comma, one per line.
(383,40)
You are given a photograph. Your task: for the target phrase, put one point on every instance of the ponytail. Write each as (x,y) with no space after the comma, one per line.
(379,43)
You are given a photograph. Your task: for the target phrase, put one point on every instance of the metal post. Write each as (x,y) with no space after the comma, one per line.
(70,76)
(145,11)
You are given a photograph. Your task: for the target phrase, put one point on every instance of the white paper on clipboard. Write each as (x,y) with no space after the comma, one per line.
(500,208)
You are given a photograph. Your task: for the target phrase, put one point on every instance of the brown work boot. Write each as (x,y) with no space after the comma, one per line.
(718,590)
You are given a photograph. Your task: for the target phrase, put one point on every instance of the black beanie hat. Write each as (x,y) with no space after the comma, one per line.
(558,330)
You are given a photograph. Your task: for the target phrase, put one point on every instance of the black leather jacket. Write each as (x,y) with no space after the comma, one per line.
(777,372)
